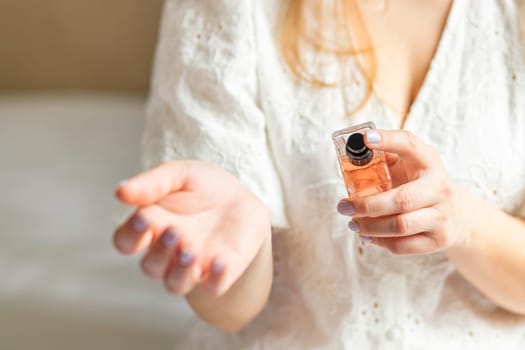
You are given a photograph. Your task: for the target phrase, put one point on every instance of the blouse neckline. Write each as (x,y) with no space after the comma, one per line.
(433,72)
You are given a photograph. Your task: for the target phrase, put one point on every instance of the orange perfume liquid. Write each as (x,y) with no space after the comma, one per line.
(364,170)
(366,180)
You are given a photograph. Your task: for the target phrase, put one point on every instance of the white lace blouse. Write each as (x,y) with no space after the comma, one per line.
(221,93)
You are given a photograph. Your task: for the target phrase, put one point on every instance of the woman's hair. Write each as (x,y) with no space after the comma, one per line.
(337,30)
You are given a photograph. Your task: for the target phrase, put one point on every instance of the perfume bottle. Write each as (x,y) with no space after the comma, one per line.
(364,170)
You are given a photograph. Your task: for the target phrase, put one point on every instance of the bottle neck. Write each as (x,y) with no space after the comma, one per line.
(361,159)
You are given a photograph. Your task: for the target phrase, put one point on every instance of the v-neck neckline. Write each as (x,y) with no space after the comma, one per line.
(432,71)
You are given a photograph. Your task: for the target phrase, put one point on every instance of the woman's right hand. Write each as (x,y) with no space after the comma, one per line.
(199,224)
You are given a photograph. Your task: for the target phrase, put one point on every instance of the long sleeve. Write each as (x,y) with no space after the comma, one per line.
(203,103)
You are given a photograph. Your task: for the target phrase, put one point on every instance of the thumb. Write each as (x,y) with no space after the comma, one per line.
(151,186)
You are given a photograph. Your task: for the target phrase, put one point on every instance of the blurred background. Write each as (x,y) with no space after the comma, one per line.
(74,78)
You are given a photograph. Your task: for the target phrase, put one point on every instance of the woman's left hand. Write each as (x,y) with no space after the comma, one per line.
(422,213)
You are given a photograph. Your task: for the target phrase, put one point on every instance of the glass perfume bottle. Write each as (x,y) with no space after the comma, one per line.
(364,170)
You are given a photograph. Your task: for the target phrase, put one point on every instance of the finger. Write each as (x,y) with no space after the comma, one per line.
(133,236)
(410,245)
(402,142)
(152,185)
(141,229)
(186,202)
(236,250)
(215,277)
(184,272)
(156,262)
(408,197)
(391,158)
(423,220)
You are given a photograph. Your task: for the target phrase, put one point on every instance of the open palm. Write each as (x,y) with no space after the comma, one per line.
(200,225)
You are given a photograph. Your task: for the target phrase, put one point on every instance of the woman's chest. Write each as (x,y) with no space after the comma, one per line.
(471,109)
(405,36)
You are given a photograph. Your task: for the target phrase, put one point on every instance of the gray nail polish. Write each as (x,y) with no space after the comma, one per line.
(373,136)
(170,239)
(185,259)
(345,208)
(354,226)
(217,267)
(139,224)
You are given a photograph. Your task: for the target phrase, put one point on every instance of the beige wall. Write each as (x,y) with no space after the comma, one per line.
(104,45)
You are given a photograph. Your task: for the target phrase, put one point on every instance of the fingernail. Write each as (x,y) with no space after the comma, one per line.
(139,224)
(185,258)
(354,226)
(170,239)
(125,242)
(122,183)
(373,136)
(345,208)
(366,239)
(217,267)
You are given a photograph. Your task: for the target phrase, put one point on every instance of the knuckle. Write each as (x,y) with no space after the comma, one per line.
(441,240)
(141,212)
(412,140)
(362,225)
(146,212)
(441,218)
(363,207)
(404,200)
(404,247)
(400,225)
(397,247)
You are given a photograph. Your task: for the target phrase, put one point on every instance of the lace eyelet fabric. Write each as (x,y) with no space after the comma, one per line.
(221,93)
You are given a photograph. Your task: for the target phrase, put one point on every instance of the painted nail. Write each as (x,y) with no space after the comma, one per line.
(139,224)
(125,242)
(345,208)
(354,226)
(185,258)
(217,267)
(366,239)
(373,136)
(170,239)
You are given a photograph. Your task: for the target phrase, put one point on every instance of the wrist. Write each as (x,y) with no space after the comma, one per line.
(468,209)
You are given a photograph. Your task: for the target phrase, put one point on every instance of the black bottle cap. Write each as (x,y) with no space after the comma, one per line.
(357,151)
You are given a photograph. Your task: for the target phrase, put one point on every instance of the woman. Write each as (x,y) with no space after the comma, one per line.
(246,95)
